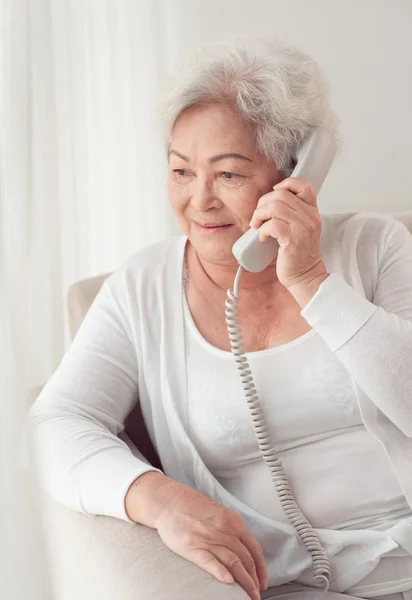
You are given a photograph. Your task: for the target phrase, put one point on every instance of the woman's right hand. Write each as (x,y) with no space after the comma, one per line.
(199,529)
(214,538)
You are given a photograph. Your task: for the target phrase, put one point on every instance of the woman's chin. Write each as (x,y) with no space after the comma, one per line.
(214,250)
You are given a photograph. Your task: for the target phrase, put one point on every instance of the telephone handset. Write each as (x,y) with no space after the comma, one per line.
(314,161)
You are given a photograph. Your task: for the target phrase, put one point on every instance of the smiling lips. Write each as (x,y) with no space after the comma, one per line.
(209,228)
(212,225)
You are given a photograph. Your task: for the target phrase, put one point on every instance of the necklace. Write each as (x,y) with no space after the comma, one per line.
(185,277)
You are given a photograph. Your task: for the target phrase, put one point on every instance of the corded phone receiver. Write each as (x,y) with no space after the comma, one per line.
(313,163)
(314,160)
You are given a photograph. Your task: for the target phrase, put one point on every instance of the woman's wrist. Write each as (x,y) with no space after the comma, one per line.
(148,495)
(304,290)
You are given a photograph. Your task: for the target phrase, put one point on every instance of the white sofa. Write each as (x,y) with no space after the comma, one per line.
(101,558)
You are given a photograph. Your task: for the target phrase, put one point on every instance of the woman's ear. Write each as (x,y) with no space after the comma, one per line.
(293,164)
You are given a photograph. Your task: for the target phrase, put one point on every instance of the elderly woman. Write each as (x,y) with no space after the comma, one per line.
(327,328)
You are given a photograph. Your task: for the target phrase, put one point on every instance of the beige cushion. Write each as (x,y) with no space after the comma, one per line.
(80,297)
(405,217)
(101,558)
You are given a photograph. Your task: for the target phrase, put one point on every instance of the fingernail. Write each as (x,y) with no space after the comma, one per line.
(228,578)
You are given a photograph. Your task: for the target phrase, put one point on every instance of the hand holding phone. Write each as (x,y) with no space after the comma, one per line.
(314,161)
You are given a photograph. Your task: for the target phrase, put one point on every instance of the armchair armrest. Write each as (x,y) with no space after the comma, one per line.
(101,558)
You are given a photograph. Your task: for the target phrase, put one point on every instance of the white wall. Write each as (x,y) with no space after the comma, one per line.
(365,47)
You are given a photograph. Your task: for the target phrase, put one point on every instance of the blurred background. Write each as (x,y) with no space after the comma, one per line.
(83,169)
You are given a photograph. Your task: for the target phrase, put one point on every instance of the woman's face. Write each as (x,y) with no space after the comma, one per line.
(215,178)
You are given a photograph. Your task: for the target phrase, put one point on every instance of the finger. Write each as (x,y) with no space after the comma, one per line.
(301,187)
(236,567)
(285,195)
(245,556)
(276,228)
(256,551)
(268,197)
(289,199)
(209,563)
(294,202)
(279,210)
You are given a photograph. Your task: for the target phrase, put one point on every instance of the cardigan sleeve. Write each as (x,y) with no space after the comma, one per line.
(373,340)
(76,420)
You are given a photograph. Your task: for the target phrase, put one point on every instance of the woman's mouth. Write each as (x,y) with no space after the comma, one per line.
(212,228)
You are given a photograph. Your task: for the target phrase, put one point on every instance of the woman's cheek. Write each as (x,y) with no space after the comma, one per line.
(176,198)
(245,209)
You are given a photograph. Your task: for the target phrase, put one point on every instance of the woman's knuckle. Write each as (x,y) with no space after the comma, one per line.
(308,186)
(187,538)
(233,561)
(236,518)
(255,546)
(204,557)
(222,521)
(273,212)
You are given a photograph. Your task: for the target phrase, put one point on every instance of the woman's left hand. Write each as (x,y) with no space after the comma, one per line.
(290,214)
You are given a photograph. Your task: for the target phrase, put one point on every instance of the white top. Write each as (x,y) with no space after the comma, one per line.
(340,473)
(131,347)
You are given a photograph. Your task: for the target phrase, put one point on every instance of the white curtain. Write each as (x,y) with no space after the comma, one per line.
(97,172)
(82,187)
(23,570)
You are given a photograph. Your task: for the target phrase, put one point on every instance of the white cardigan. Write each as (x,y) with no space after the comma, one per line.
(130,348)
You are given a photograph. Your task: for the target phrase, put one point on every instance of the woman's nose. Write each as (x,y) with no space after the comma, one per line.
(203,197)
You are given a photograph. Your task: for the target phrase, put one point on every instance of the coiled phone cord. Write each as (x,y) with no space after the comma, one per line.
(320,561)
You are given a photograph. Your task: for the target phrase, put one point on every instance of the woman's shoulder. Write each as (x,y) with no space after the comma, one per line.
(366,233)
(154,256)
(361,224)
(357,245)
(147,265)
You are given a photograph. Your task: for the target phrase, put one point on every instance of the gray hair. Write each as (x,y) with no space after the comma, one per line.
(278,90)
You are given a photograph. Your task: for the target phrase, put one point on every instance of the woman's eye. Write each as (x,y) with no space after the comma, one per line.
(229,176)
(225,174)
(180,172)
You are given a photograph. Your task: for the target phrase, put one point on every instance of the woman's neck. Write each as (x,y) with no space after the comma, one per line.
(222,275)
